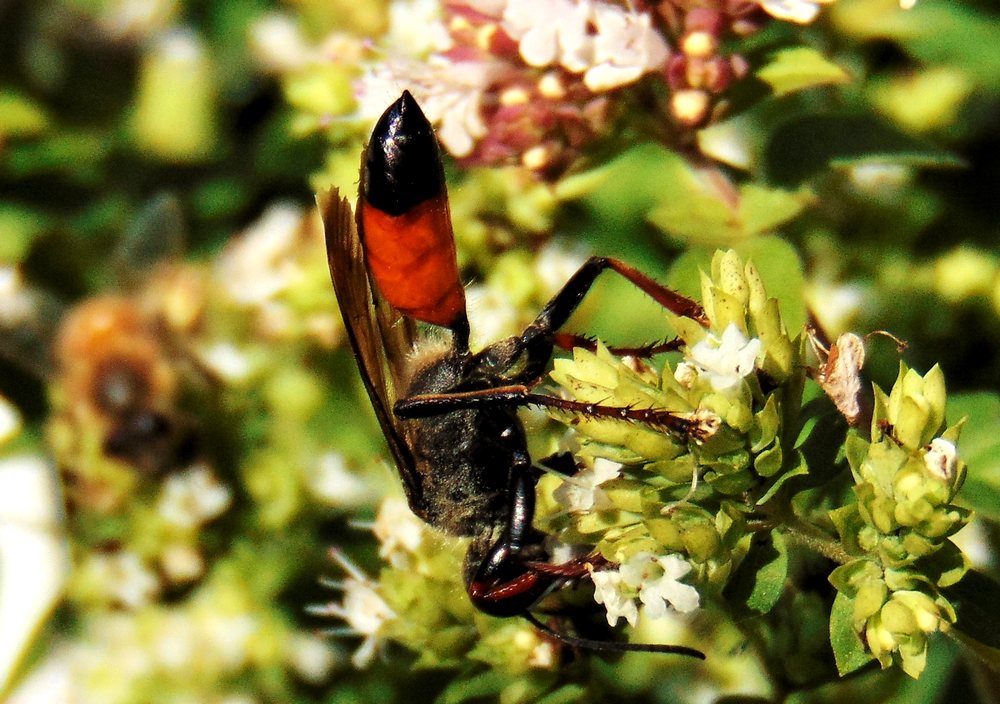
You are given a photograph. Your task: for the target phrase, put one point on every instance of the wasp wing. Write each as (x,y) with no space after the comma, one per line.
(380,337)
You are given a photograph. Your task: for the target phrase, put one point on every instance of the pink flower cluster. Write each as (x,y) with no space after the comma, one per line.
(533,81)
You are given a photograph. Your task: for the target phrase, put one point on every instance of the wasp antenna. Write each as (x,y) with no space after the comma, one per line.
(406,223)
(612,646)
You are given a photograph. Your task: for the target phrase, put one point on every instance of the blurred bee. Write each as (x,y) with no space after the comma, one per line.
(117,377)
(108,363)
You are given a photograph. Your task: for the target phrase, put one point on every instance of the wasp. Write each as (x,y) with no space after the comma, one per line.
(449,414)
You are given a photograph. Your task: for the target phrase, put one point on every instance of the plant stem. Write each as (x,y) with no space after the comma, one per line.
(800,532)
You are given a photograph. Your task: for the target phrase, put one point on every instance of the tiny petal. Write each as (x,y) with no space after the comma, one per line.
(399,532)
(727,360)
(941,458)
(609,590)
(626,47)
(582,493)
(193,497)
(800,11)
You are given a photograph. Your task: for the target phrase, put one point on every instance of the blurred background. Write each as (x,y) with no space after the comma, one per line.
(183,434)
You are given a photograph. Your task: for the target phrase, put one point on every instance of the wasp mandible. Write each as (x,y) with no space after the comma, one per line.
(449,414)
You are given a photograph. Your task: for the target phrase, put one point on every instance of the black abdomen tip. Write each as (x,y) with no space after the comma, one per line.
(402,163)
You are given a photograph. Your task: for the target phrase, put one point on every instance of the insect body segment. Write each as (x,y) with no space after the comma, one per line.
(450,415)
(406,223)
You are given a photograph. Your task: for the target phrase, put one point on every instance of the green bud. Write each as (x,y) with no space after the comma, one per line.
(666,533)
(727,271)
(916,406)
(757,295)
(871,595)
(897,617)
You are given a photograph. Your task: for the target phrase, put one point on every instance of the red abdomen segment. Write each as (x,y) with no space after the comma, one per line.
(412,257)
(405,220)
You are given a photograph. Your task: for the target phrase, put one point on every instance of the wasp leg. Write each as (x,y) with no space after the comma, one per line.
(537,339)
(569,340)
(503,584)
(427,405)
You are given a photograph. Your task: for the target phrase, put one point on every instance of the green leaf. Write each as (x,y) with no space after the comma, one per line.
(949,33)
(768,462)
(488,684)
(627,186)
(764,209)
(759,581)
(975,599)
(979,447)
(806,146)
(796,68)
(564,695)
(20,116)
(18,229)
(848,650)
(695,210)
(797,468)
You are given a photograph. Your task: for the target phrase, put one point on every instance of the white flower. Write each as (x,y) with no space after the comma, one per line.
(800,11)
(658,582)
(610,45)
(181,563)
(18,303)
(724,362)
(415,27)
(261,263)
(125,578)
(399,532)
(941,458)
(362,608)
(611,591)
(34,559)
(136,19)
(581,493)
(193,497)
(654,580)
(449,92)
(626,46)
(331,481)
(278,43)
(550,32)
(805,11)
(555,263)
(311,657)
(227,360)
(10,421)
(492,314)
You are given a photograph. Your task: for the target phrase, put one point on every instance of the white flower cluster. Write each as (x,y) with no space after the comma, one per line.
(723,362)
(193,498)
(362,608)
(582,492)
(399,532)
(653,580)
(610,45)
(450,94)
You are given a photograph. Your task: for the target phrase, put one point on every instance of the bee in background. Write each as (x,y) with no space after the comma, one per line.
(449,414)
(117,376)
(112,368)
